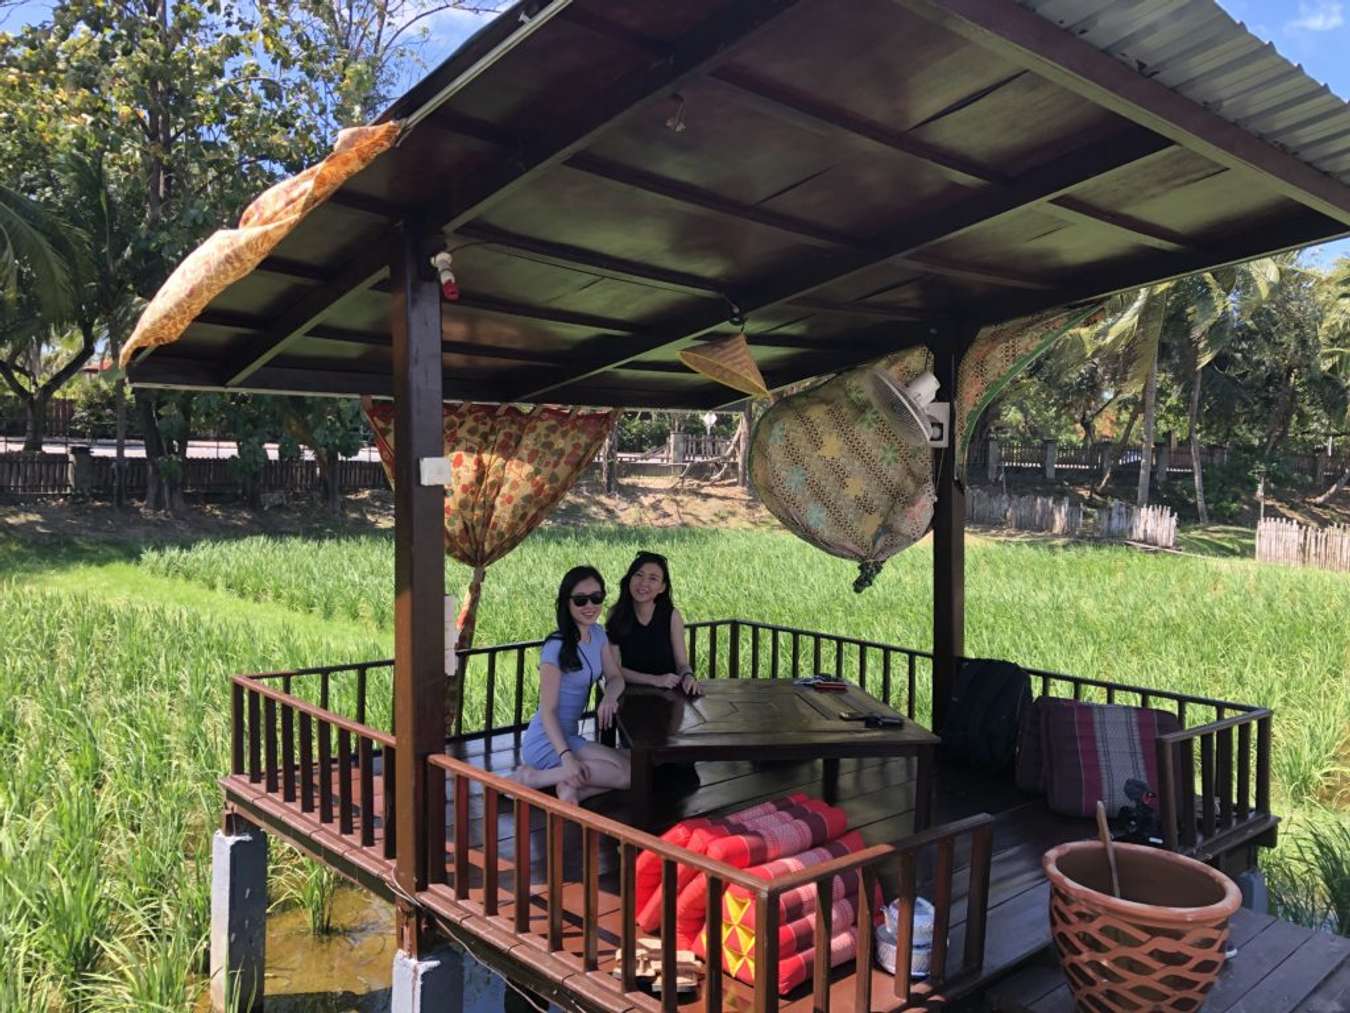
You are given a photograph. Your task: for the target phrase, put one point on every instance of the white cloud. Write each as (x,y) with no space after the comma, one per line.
(1322,16)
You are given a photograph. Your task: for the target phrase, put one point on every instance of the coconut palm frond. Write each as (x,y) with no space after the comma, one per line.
(36,251)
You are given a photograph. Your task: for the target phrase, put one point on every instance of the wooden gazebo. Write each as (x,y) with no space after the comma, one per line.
(619,180)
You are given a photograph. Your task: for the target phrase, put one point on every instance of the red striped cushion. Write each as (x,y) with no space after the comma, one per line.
(648,869)
(1090,750)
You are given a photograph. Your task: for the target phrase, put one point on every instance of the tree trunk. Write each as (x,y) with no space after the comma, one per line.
(154,451)
(1117,448)
(35,432)
(1336,487)
(1150,406)
(328,479)
(1197,470)
(120,454)
(743,451)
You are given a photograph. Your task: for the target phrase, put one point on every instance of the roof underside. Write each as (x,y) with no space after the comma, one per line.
(852,178)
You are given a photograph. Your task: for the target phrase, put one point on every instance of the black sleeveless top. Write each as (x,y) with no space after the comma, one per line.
(647,648)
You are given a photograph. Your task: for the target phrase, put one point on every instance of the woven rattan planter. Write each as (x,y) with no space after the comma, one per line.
(1159,947)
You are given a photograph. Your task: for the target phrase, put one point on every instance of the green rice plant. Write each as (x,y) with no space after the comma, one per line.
(150,967)
(313,887)
(1315,872)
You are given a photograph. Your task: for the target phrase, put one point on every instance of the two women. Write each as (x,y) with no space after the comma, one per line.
(642,643)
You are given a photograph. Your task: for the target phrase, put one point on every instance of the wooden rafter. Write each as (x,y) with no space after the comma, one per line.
(712,41)
(1098,157)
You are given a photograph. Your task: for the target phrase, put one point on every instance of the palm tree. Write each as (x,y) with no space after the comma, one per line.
(1334,335)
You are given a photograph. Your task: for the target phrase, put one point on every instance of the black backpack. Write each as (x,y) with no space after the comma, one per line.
(983,713)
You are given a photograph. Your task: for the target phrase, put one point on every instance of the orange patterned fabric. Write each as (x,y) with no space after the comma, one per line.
(509,468)
(230,254)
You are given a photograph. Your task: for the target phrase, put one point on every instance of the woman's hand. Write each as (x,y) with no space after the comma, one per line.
(668,681)
(690,685)
(577,774)
(609,707)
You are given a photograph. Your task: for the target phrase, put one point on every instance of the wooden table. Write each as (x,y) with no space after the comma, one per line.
(757,719)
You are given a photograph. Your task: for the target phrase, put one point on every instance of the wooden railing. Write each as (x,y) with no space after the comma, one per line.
(313,757)
(1233,805)
(487,896)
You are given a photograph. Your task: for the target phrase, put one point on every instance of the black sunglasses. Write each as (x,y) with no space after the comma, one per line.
(595,598)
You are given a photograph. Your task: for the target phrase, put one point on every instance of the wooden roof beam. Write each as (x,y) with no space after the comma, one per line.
(1031,41)
(712,41)
(1099,156)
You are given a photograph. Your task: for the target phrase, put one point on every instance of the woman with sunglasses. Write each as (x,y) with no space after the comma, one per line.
(647,630)
(576,655)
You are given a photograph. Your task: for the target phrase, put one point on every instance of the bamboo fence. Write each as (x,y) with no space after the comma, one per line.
(1284,541)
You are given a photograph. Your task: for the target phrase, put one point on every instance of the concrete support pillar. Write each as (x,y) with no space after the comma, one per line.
(446,980)
(238,916)
(993,460)
(1051,447)
(1162,457)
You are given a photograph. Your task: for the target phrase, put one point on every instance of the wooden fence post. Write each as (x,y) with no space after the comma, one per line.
(1049,449)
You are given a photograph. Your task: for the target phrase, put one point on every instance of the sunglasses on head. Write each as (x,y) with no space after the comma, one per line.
(595,598)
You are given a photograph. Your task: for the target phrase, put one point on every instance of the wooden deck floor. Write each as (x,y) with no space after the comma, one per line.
(1279,968)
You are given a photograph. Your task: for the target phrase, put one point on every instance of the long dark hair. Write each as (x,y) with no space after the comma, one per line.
(622,614)
(569,659)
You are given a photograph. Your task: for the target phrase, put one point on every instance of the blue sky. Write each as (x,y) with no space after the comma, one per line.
(1313,33)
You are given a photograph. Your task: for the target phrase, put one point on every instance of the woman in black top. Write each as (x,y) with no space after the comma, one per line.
(647,630)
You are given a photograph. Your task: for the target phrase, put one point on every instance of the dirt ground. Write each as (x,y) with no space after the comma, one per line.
(641,502)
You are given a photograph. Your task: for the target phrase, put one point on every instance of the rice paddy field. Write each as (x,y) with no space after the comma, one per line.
(114,703)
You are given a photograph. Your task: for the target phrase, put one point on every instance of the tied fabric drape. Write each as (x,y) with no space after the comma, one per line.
(997,355)
(230,254)
(509,468)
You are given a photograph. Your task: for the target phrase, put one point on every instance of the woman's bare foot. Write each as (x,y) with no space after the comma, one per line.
(567,793)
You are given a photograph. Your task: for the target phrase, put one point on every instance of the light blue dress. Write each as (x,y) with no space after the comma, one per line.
(573,695)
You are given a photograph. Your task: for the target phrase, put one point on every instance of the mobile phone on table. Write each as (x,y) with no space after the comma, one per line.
(884,721)
(852,716)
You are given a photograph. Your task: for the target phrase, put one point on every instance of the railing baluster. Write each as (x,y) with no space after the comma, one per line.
(1077,690)
(387,759)
(361,694)
(820,971)
(491,873)
(236,728)
(590,885)
(366,760)
(773,646)
(766,952)
(1045,685)
(325,772)
(734,650)
(254,739)
(521,884)
(344,771)
(518,715)
(670,888)
(886,677)
(942,911)
(712,651)
(1181,712)
(712,992)
(306,762)
(554,855)
(838,658)
(862,668)
(693,649)
(323,690)
(862,995)
(754,652)
(1110,694)
(1186,771)
(1167,793)
(911,688)
(1244,791)
(796,654)
(270,743)
(1207,784)
(977,899)
(1224,772)
(815,655)
(490,698)
(628,916)
(1263,765)
(461,837)
(904,926)
(1144,699)
(288,753)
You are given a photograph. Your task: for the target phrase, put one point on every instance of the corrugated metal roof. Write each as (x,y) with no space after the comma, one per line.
(1198,50)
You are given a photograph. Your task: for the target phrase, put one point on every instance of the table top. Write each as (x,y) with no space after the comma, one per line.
(747,716)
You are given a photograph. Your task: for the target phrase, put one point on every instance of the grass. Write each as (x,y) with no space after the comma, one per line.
(113,698)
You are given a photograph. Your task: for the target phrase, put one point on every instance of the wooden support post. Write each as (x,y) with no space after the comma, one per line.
(743,451)
(949,533)
(419,565)
(1050,449)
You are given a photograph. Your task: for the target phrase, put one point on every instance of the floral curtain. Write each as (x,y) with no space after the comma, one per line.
(230,254)
(509,468)
(997,355)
